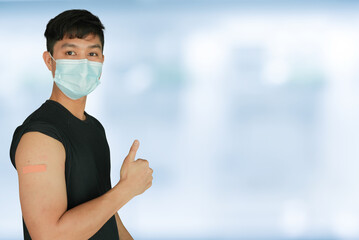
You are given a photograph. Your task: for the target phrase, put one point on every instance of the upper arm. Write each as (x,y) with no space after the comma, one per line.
(42,194)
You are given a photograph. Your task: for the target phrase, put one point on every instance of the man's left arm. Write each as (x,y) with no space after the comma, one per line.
(122,231)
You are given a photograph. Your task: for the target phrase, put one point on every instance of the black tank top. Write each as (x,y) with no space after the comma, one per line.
(87,166)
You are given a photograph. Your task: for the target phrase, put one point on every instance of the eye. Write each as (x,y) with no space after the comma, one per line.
(93,54)
(71,53)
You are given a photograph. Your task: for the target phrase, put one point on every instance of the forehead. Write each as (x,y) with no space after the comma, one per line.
(85,42)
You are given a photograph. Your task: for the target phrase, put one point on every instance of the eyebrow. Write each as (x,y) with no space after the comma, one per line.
(69,45)
(95,46)
(75,46)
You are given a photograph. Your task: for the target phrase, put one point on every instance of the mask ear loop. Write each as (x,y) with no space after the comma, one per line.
(52,57)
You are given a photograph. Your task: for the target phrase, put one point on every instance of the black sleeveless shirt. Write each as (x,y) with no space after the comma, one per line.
(87,166)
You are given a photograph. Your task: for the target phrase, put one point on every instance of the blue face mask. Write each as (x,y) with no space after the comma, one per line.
(77,77)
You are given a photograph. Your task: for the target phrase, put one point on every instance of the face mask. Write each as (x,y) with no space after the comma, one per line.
(77,77)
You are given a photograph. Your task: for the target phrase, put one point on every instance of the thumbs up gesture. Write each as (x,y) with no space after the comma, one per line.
(136,174)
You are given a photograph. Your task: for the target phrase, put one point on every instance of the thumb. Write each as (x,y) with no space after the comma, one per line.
(133,150)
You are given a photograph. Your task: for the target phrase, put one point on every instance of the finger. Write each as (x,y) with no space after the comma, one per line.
(148,186)
(133,150)
(143,161)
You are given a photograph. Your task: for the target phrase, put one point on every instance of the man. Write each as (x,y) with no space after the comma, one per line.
(61,153)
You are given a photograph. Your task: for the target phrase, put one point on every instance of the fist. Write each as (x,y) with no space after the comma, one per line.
(136,174)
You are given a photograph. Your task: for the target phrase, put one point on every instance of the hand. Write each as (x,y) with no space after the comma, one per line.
(137,175)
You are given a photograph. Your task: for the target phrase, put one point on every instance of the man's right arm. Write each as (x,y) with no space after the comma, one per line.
(43,193)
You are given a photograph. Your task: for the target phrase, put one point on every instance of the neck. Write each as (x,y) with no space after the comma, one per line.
(76,107)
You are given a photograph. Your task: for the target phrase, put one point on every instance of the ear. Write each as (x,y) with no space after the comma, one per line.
(48,61)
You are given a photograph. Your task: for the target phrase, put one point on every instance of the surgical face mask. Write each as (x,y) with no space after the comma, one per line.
(77,77)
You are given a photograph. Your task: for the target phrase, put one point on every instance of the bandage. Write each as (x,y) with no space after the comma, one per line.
(34,168)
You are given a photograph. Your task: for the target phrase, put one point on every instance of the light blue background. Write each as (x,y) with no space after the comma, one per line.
(246,110)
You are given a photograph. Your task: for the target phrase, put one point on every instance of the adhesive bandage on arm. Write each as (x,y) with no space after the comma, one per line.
(34,168)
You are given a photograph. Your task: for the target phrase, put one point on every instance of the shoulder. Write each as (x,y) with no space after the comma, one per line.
(38,122)
(34,133)
(36,148)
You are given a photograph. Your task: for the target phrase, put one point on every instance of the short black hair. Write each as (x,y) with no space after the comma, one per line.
(75,23)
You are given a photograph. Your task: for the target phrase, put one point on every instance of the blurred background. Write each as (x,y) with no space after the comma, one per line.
(247,111)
